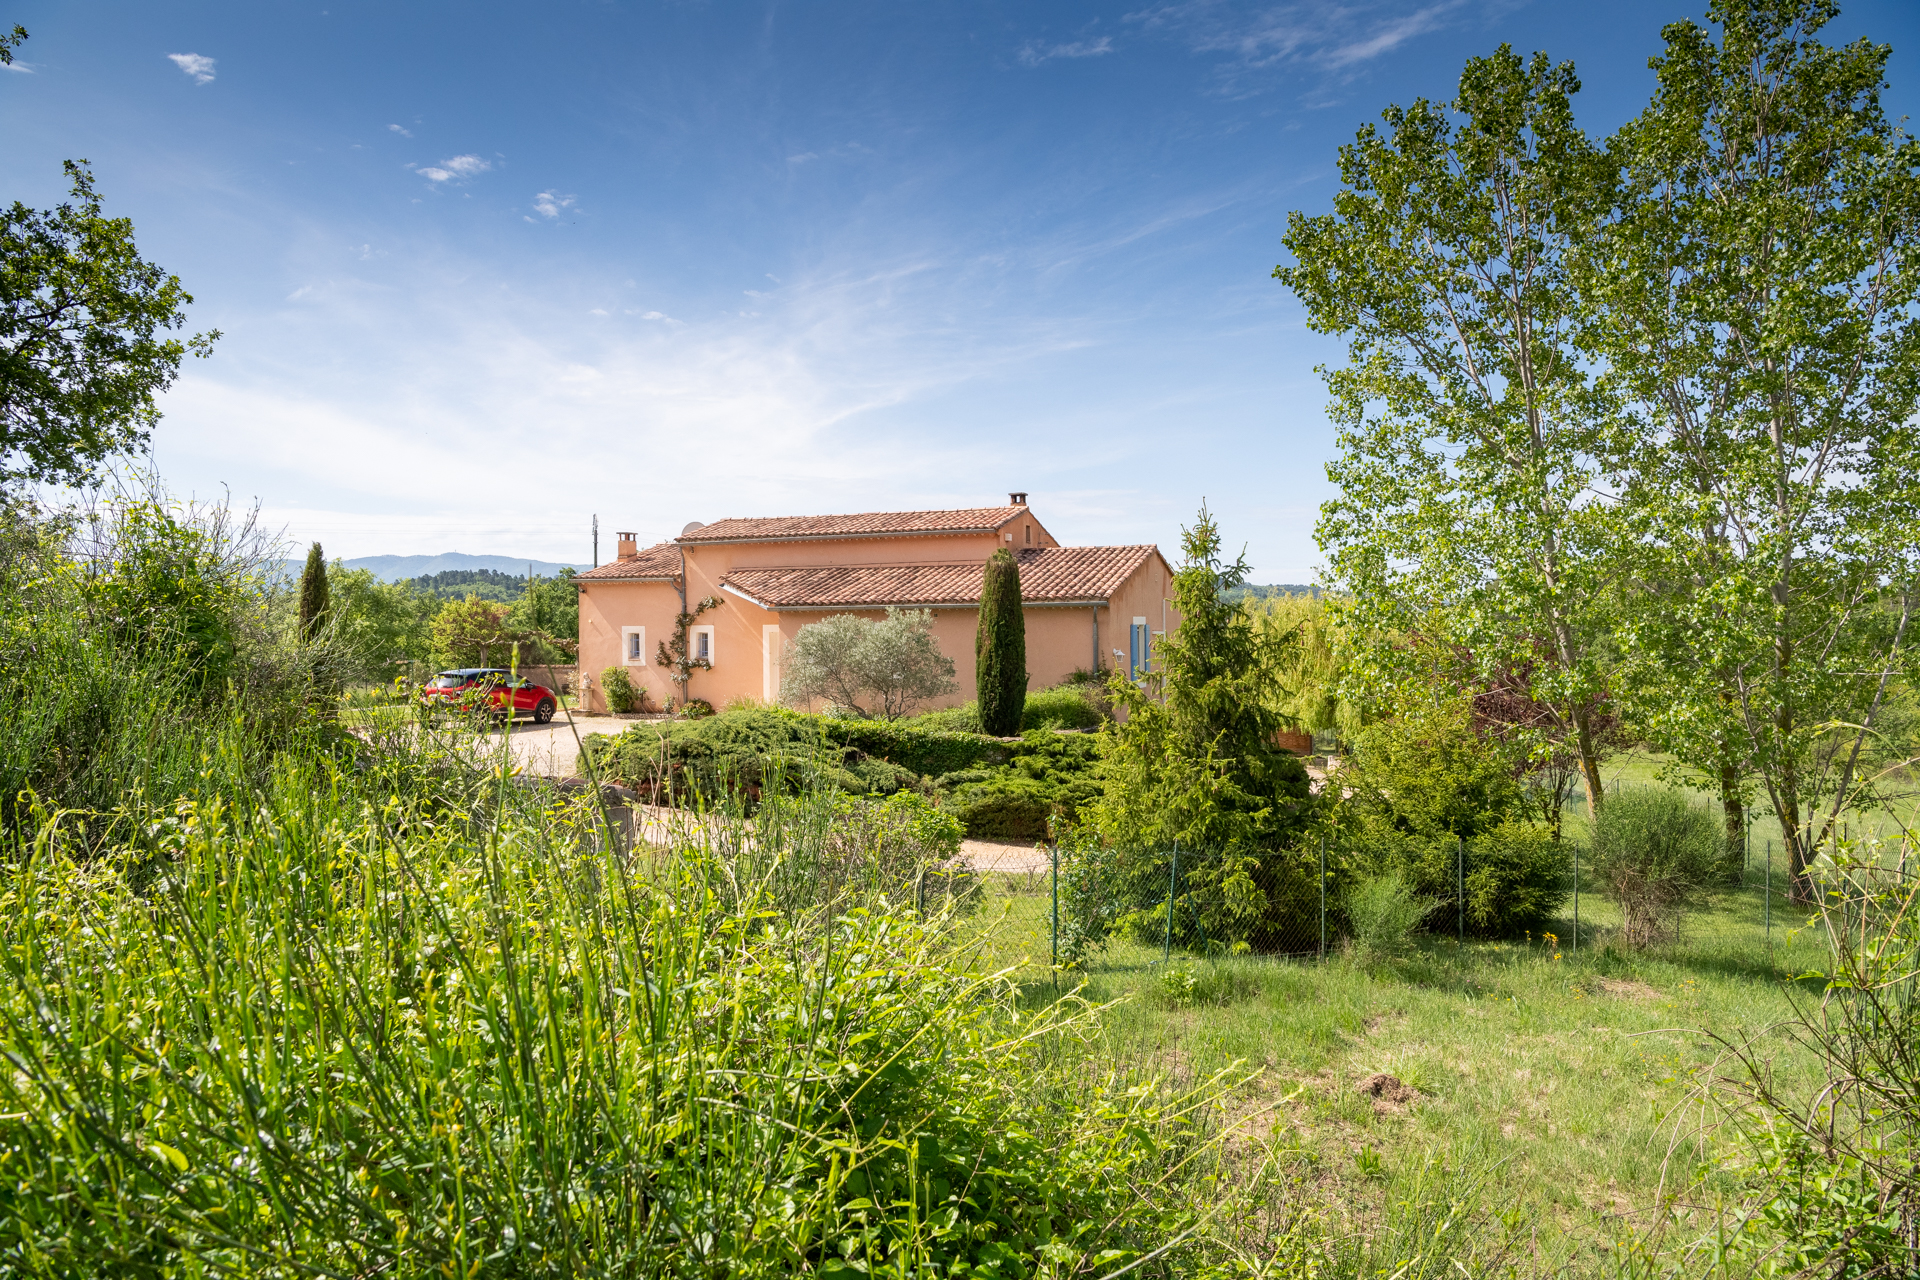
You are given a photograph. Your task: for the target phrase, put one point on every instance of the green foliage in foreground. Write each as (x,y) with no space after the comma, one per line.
(116,673)
(382,1024)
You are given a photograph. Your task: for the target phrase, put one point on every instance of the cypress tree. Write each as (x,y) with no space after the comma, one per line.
(1000,648)
(314,600)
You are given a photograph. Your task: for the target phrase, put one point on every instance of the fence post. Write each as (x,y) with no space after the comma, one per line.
(1460,872)
(1576,900)
(1173,882)
(1323,895)
(1767,885)
(1056,904)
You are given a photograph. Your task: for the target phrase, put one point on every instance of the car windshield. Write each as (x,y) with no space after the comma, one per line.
(446,681)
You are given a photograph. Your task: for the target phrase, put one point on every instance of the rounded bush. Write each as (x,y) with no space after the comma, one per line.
(1656,851)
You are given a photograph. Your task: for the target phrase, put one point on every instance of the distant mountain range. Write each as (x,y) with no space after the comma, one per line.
(394,568)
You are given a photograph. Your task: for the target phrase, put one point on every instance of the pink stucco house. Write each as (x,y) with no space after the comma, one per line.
(774,575)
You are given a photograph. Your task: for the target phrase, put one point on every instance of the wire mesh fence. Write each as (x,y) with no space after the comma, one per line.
(1294,904)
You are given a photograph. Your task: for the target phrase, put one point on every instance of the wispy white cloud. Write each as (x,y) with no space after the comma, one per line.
(1334,37)
(457,167)
(1035,52)
(550,203)
(199,67)
(405,133)
(1391,34)
(843,151)
(23,68)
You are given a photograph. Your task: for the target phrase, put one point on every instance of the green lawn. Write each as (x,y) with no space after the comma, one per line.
(1566,1080)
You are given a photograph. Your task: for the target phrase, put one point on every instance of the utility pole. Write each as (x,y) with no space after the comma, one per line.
(596,543)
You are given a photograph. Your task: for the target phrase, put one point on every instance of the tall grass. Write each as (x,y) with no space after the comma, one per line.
(384,1021)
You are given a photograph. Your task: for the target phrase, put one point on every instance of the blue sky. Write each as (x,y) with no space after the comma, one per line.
(486,270)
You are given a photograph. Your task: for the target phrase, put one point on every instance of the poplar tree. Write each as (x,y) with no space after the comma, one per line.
(1470,430)
(1755,299)
(314,602)
(1000,648)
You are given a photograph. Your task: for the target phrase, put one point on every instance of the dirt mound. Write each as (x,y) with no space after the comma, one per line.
(1389,1093)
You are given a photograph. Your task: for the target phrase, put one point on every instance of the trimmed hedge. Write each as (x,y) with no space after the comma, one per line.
(1048,776)
(996,789)
(930,753)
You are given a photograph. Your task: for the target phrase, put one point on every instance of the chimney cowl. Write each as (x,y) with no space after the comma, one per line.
(1019,499)
(629,546)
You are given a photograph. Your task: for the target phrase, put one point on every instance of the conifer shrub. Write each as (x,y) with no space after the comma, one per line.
(314,596)
(1000,648)
(1194,767)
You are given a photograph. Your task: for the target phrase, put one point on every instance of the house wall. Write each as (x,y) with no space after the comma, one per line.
(606,607)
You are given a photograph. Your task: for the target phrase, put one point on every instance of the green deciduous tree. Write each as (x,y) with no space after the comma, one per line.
(1000,648)
(83,337)
(376,624)
(549,607)
(1758,293)
(471,633)
(1470,430)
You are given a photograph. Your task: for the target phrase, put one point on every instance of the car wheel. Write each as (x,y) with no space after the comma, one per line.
(543,712)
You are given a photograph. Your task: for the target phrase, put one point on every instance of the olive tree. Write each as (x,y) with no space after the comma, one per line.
(865,667)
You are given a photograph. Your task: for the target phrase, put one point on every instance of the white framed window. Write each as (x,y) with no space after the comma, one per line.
(700,643)
(771,643)
(633,646)
(1139,649)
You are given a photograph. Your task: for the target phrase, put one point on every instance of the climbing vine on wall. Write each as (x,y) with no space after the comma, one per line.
(673,654)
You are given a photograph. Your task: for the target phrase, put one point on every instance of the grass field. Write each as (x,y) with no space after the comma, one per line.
(1569,1083)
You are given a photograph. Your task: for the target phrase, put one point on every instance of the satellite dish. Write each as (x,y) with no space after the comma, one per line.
(691,526)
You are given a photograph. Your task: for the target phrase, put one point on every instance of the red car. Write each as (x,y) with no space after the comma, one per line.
(506,694)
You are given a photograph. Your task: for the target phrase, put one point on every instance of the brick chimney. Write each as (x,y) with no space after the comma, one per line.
(1018,499)
(628,547)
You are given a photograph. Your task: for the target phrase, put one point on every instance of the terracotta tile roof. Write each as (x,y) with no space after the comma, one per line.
(1048,575)
(661,560)
(870,524)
